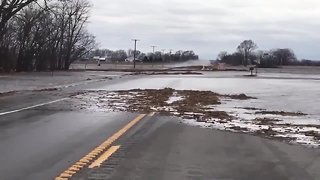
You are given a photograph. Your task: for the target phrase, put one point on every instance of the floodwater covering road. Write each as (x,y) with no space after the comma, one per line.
(275,95)
(45,141)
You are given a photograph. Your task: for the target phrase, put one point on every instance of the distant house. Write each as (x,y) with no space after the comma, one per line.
(98,58)
(102,59)
(130,59)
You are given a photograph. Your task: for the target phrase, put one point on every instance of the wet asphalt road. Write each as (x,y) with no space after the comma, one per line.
(42,142)
(39,144)
(162,148)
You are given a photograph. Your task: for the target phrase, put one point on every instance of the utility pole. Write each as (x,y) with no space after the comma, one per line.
(163,56)
(134,53)
(153,47)
(170,50)
(153,56)
(244,58)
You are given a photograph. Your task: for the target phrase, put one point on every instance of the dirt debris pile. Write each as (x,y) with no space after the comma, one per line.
(168,73)
(282,113)
(187,104)
(204,108)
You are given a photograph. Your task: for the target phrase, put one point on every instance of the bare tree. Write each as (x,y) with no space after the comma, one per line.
(8,46)
(222,54)
(29,36)
(119,55)
(42,37)
(245,48)
(83,47)
(8,8)
(284,56)
(77,17)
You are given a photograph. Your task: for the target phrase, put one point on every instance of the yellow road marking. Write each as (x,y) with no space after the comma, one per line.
(70,172)
(104,157)
(58,178)
(84,161)
(80,164)
(74,169)
(98,150)
(77,166)
(65,175)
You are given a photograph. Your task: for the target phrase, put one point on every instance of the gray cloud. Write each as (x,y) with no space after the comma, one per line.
(208,26)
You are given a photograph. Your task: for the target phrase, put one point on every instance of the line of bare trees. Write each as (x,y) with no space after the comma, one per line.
(246,55)
(157,56)
(43,35)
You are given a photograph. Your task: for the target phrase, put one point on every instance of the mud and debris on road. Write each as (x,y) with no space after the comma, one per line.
(9,93)
(166,73)
(46,89)
(282,113)
(204,108)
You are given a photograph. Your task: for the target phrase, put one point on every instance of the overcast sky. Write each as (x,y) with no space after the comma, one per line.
(208,26)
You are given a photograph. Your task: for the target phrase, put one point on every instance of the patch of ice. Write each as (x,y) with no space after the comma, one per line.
(301,139)
(192,113)
(119,104)
(174,98)
(175,113)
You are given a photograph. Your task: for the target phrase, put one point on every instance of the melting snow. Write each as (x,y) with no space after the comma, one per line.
(174,98)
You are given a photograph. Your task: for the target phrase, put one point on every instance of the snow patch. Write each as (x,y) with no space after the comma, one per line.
(174,98)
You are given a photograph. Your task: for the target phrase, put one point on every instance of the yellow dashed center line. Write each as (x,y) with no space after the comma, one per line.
(97,151)
(104,157)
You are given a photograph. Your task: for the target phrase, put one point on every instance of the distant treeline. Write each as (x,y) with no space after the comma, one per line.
(122,55)
(38,35)
(246,55)
(306,62)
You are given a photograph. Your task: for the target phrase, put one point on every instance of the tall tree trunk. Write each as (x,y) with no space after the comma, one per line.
(19,66)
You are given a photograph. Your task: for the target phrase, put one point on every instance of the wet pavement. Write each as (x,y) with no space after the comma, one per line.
(162,148)
(61,79)
(41,142)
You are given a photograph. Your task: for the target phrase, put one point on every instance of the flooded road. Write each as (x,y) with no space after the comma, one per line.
(41,137)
